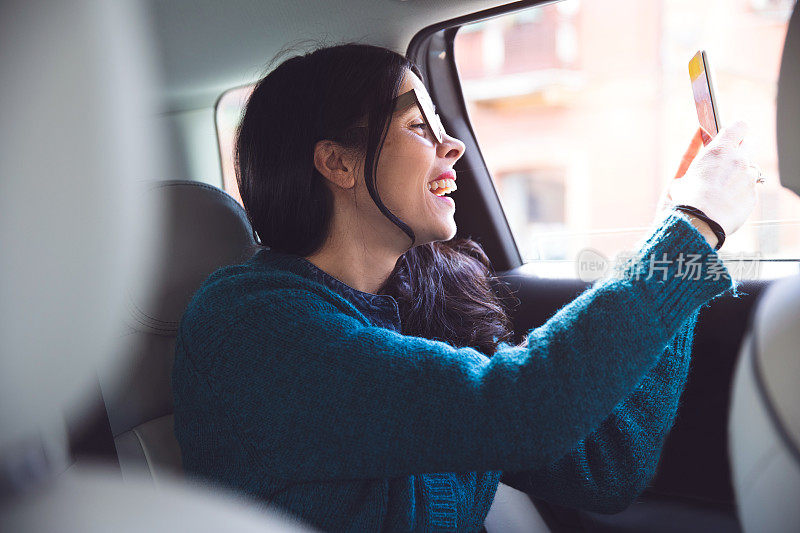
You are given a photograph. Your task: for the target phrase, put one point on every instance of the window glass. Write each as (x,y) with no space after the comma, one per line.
(584,109)
(228,114)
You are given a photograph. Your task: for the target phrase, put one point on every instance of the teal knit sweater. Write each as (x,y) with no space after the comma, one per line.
(300,391)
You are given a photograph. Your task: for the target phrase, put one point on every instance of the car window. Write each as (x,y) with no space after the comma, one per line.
(228,114)
(583,110)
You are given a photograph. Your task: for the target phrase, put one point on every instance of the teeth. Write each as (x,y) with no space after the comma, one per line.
(441,187)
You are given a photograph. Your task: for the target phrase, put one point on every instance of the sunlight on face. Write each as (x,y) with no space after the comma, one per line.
(411,158)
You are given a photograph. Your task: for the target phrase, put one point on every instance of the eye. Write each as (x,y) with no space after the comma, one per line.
(420,125)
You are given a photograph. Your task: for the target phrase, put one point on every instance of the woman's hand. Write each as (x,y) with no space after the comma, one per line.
(718,179)
(699,140)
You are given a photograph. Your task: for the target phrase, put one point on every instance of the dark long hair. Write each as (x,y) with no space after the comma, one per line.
(444,289)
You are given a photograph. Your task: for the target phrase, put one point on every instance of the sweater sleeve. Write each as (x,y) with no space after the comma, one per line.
(607,470)
(314,393)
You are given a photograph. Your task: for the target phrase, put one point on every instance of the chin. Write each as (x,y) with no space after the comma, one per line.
(448,232)
(452,233)
(443,231)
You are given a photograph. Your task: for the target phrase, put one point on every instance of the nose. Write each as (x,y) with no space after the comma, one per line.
(450,148)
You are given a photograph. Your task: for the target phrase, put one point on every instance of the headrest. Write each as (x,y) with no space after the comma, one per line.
(72,232)
(789,108)
(203,230)
(776,338)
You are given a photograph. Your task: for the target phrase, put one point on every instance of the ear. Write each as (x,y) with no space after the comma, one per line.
(335,163)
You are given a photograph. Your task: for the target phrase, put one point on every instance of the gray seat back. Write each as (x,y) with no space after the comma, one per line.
(764,423)
(765,414)
(513,511)
(203,230)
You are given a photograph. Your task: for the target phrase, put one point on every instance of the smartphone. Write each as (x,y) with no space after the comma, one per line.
(704,99)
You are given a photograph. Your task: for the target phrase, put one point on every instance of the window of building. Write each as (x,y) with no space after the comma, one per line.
(535,202)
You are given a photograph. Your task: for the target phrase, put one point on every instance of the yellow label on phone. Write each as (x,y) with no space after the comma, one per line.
(696,67)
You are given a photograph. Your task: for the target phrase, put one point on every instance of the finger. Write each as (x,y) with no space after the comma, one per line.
(691,153)
(697,142)
(744,149)
(755,173)
(734,134)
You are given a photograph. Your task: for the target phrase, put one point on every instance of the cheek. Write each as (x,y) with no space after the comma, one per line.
(403,172)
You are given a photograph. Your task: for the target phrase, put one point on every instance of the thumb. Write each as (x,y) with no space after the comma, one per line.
(734,134)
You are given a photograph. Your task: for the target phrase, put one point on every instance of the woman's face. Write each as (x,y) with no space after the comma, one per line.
(410,160)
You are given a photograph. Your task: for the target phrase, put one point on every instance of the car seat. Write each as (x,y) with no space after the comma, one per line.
(764,425)
(203,230)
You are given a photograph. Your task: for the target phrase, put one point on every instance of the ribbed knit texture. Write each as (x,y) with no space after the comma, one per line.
(300,391)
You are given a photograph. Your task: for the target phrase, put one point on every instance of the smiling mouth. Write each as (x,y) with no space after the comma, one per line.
(442,187)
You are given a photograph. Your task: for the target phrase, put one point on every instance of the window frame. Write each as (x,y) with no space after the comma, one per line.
(480,214)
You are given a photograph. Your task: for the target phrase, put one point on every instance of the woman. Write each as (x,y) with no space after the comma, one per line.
(354,374)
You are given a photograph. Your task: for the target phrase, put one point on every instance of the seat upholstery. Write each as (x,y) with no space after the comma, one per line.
(151,444)
(204,229)
(764,422)
(513,511)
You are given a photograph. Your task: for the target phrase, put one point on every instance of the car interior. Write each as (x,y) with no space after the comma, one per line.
(117,207)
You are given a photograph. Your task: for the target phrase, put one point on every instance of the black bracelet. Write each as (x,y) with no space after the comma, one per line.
(716,228)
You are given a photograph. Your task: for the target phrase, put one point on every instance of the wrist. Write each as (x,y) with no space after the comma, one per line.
(704,229)
(703,223)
